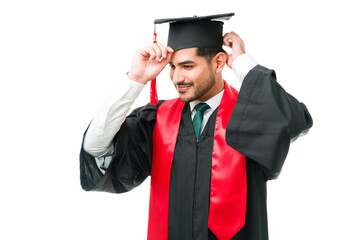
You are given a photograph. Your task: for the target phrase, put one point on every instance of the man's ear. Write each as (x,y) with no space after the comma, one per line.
(219,62)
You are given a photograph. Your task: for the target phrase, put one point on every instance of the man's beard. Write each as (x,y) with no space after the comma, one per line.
(200,90)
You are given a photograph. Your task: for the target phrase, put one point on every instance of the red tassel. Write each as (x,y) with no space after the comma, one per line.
(153,92)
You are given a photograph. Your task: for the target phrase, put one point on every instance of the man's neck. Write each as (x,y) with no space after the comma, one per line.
(213,102)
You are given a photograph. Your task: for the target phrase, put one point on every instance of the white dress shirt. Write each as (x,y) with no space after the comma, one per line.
(109,118)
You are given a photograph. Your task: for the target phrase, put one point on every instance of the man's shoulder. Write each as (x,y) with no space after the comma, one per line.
(259,75)
(259,69)
(163,104)
(171,103)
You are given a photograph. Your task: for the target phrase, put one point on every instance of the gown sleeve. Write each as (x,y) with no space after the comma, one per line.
(265,119)
(131,160)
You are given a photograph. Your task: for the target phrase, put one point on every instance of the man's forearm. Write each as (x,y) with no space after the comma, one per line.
(109,118)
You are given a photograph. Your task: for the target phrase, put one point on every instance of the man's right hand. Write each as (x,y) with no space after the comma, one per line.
(148,62)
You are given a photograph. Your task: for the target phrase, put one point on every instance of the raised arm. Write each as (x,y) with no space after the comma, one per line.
(265,119)
(116,151)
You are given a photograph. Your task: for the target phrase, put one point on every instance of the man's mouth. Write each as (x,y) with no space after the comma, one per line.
(183,87)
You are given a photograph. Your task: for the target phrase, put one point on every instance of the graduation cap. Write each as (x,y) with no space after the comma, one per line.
(203,31)
(189,32)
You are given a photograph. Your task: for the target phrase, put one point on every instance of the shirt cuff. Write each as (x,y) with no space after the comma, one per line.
(242,66)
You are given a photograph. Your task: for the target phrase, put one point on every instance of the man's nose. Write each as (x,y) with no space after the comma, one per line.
(177,77)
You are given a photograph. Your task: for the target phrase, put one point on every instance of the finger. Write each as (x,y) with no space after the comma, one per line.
(228,56)
(157,51)
(229,59)
(144,52)
(152,54)
(163,50)
(230,38)
(169,55)
(227,40)
(228,43)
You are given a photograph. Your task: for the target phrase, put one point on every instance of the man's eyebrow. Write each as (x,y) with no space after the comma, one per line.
(183,63)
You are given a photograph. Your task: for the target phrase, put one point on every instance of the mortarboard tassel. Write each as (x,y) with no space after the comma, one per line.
(153,92)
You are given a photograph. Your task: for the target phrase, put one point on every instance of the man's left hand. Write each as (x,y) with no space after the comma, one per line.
(233,41)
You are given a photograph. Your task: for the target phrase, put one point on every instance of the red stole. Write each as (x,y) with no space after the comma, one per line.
(228,191)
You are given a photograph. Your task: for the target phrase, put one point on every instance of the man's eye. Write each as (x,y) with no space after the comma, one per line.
(188,66)
(172,66)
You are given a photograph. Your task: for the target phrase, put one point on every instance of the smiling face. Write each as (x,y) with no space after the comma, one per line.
(193,77)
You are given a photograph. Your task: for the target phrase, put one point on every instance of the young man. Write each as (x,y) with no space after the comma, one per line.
(211,151)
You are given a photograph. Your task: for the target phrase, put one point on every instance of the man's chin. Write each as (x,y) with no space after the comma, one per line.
(186,98)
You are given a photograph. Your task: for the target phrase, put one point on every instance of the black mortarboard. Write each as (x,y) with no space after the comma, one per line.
(188,32)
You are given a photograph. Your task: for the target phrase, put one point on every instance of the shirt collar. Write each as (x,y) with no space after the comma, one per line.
(213,102)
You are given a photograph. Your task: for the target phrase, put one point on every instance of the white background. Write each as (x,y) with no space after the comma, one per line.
(59,60)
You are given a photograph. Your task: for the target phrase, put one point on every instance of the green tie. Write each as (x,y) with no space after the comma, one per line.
(200,109)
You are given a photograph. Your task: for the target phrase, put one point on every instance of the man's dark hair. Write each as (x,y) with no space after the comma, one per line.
(209,52)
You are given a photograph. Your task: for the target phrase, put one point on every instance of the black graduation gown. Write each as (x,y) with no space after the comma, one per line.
(262,124)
